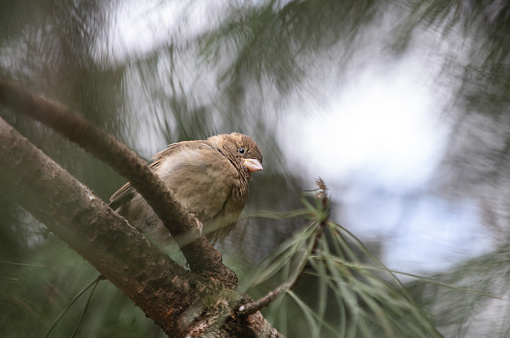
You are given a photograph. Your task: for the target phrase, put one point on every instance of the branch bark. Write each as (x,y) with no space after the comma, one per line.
(183,303)
(199,253)
(95,231)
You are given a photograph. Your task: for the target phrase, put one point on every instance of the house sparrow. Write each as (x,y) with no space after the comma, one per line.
(209,177)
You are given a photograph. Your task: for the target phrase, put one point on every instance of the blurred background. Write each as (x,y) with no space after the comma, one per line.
(400,107)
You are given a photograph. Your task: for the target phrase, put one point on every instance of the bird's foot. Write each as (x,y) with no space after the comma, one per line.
(198,225)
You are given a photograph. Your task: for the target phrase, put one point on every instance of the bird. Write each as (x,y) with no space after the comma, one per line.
(209,178)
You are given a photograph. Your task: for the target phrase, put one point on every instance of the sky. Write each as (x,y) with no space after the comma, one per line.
(377,141)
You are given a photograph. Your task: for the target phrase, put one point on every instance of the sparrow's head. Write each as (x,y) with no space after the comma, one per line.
(241,150)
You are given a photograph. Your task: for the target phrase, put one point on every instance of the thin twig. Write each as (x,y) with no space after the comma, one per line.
(322,196)
(255,306)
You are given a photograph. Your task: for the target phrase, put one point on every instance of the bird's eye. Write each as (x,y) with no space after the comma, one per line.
(241,150)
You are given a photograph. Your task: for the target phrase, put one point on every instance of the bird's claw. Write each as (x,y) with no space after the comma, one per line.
(198,225)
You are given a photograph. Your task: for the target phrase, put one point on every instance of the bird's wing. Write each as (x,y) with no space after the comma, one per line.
(127,192)
(124,194)
(175,148)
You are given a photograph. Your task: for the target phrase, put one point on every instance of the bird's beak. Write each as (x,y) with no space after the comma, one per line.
(253,165)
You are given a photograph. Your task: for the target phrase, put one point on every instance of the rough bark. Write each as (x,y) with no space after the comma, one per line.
(181,302)
(199,253)
(160,287)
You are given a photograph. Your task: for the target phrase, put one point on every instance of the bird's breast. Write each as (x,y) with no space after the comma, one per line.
(201,180)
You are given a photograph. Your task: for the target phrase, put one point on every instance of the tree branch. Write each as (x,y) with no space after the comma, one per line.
(181,302)
(90,227)
(257,305)
(199,253)
(321,194)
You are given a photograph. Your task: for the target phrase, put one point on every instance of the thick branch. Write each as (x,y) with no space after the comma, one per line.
(182,303)
(199,253)
(91,228)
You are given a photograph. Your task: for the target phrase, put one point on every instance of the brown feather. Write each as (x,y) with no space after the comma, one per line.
(207,176)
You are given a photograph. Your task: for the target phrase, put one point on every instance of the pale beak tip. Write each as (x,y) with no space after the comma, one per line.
(253,165)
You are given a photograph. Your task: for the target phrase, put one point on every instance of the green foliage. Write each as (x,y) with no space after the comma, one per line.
(339,294)
(33,295)
(237,75)
(459,313)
